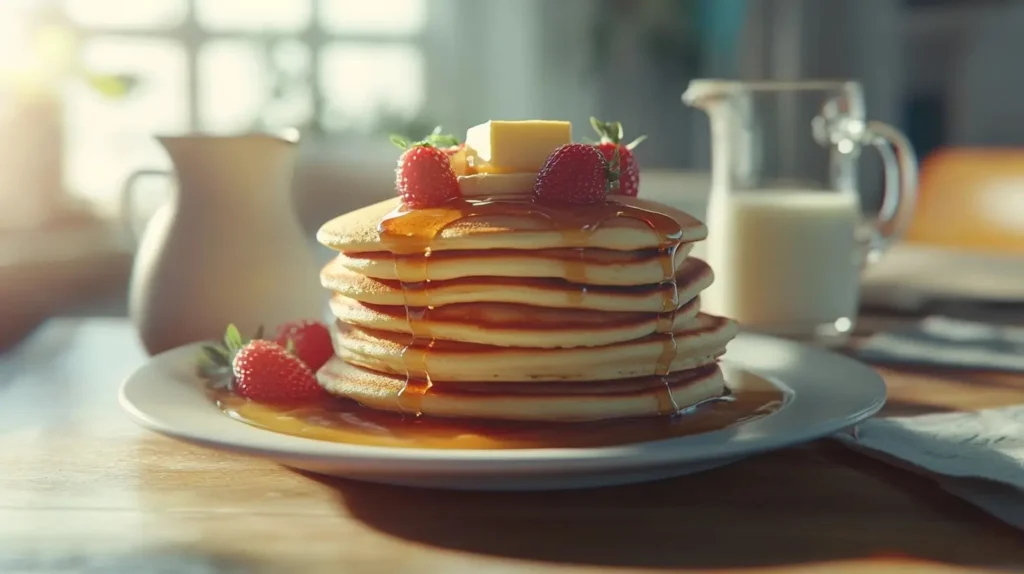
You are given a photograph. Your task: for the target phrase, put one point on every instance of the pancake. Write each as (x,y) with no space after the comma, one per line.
(692,277)
(698,344)
(514,325)
(502,228)
(595,400)
(509,309)
(591,266)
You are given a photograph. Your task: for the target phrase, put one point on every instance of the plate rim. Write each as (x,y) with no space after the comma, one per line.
(635,456)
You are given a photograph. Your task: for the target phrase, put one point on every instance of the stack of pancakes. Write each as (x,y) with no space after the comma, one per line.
(495,311)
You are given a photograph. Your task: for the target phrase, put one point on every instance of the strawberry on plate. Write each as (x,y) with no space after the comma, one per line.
(425,177)
(259,370)
(610,143)
(575,173)
(266,372)
(310,341)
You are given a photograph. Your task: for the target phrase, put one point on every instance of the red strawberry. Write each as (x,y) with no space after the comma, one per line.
(266,372)
(259,370)
(574,173)
(629,171)
(424,177)
(310,341)
(215,361)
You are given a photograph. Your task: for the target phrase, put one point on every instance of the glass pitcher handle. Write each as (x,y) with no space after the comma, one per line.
(900,197)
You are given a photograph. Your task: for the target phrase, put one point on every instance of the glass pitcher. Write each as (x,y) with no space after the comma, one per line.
(786,236)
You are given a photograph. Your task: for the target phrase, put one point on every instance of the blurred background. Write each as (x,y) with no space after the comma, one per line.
(84,84)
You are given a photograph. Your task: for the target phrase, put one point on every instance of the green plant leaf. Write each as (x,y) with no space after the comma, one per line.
(113,86)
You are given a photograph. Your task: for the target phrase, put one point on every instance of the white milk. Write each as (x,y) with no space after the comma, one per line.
(785,260)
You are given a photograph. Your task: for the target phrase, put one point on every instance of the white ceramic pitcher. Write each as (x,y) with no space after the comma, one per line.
(226,248)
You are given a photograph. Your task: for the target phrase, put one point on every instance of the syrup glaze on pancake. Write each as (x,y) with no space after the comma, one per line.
(692,276)
(688,348)
(357,231)
(638,397)
(582,266)
(514,324)
(412,233)
(343,420)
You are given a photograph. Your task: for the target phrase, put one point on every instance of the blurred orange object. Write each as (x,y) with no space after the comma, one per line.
(971,199)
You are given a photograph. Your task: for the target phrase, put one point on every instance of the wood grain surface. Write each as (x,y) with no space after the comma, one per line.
(82,489)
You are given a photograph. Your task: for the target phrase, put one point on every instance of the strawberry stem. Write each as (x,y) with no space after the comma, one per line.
(612,132)
(442,140)
(612,171)
(434,139)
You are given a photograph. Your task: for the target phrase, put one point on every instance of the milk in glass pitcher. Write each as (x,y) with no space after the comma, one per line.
(786,236)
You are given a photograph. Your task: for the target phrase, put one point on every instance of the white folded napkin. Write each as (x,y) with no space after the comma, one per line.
(944,341)
(978,456)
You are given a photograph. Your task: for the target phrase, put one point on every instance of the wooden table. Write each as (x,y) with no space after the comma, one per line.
(84,489)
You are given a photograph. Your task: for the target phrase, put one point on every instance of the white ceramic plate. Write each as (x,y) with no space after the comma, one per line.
(826,393)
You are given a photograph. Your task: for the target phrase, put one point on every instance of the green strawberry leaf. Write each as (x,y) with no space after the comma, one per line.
(609,131)
(400,141)
(434,139)
(216,356)
(233,338)
(615,128)
(214,366)
(612,132)
(214,362)
(632,145)
(439,139)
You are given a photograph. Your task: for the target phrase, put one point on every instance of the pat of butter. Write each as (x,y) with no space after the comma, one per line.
(515,146)
(484,185)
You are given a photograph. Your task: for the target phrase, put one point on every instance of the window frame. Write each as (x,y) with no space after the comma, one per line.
(191,36)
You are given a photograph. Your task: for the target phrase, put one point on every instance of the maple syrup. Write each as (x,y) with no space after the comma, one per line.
(407,234)
(340,420)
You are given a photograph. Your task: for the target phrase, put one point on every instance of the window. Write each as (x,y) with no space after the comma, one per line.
(220,66)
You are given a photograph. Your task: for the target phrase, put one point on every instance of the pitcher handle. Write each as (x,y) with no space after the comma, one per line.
(900,196)
(128,200)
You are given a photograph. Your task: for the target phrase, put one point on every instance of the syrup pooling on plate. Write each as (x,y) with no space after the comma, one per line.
(408,234)
(344,421)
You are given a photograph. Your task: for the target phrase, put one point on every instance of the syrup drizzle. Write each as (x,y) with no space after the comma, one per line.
(408,235)
(341,420)
(666,321)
